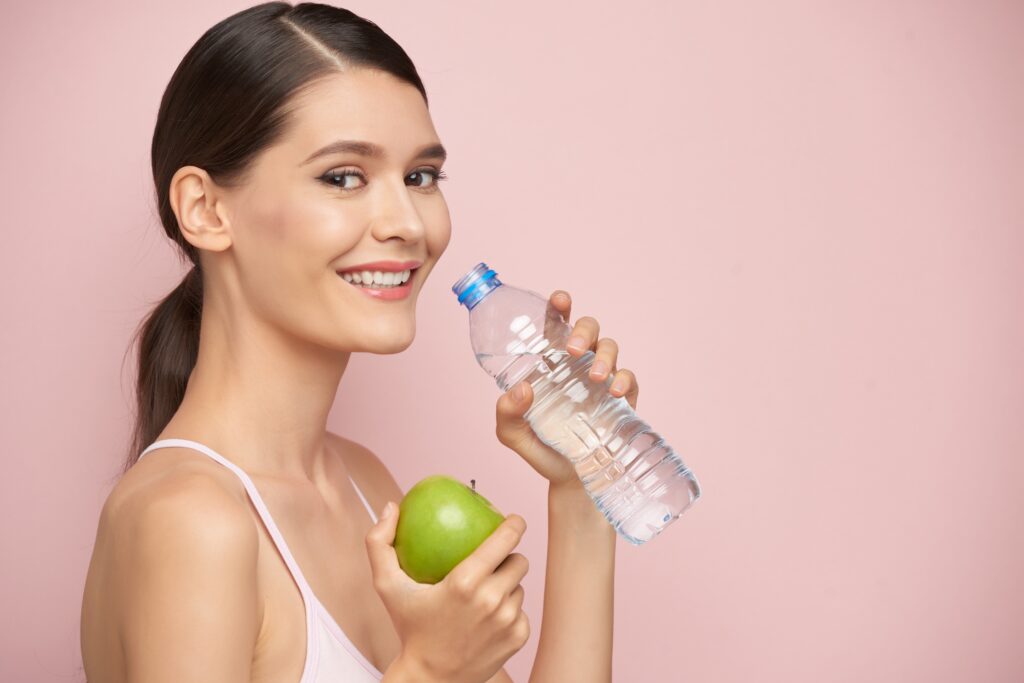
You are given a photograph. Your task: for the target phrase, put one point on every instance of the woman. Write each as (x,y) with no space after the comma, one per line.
(244,546)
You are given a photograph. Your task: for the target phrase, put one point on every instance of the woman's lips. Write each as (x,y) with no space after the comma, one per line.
(385,294)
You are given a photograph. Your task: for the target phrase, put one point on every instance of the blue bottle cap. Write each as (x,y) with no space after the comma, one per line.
(475,285)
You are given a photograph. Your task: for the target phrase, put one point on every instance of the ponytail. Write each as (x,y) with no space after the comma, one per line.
(168,345)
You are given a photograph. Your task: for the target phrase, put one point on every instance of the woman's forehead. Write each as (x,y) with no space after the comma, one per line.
(364,105)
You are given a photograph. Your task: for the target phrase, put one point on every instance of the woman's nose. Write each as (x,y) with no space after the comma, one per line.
(398,215)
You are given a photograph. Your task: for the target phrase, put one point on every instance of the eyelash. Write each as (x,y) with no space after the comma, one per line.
(438,175)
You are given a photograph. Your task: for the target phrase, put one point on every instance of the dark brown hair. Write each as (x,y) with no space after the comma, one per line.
(228,100)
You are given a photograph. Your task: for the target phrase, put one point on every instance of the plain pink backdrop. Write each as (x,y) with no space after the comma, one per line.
(801,221)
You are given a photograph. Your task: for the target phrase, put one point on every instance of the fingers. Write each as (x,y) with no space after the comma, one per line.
(467,575)
(606,355)
(509,426)
(508,575)
(514,402)
(517,597)
(585,331)
(379,548)
(625,384)
(561,300)
(509,608)
(584,335)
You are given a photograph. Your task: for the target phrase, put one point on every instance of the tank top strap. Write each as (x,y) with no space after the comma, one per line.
(257,501)
(366,504)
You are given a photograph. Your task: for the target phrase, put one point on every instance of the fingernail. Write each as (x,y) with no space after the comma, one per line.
(519,393)
(575,343)
(618,385)
(388,510)
(599,368)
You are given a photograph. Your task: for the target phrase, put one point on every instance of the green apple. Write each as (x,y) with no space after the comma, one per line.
(440,522)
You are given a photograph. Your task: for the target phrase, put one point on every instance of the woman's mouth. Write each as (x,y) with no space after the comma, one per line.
(378,284)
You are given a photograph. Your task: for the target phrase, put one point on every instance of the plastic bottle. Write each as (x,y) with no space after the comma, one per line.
(629,471)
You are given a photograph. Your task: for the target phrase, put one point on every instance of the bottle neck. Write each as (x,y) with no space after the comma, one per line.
(478,289)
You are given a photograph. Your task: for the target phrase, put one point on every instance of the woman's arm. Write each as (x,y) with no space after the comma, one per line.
(576,629)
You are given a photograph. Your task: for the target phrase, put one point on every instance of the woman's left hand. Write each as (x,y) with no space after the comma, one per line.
(515,432)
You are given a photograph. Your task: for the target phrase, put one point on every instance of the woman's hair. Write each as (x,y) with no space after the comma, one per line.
(228,100)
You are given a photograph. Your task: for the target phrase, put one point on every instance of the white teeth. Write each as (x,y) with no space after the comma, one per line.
(377,278)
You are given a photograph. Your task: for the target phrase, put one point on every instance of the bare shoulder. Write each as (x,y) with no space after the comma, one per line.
(367,468)
(176,508)
(168,470)
(176,554)
(176,497)
(191,494)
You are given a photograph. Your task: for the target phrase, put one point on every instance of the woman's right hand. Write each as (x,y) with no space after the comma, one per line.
(466,626)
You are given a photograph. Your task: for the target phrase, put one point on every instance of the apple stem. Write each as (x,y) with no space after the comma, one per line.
(472,482)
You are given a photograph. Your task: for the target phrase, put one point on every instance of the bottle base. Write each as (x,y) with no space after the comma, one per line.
(659,508)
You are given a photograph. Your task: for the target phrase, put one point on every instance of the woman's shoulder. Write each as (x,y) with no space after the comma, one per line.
(182,474)
(178,491)
(167,531)
(176,473)
(172,538)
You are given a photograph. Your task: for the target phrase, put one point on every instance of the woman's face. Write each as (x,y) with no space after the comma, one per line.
(298,220)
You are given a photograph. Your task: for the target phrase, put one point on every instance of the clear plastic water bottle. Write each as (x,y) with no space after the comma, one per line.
(632,475)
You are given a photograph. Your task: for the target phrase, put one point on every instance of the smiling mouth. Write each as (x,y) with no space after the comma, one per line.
(378,279)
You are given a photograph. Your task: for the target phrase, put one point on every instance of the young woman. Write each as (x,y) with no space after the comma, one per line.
(294,144)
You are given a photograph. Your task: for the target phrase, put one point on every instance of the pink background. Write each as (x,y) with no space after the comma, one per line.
(802,222)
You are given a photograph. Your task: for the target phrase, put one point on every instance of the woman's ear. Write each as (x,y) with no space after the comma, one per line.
(196,201)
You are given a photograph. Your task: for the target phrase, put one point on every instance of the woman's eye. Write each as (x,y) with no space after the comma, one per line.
(436,176)
(337,179)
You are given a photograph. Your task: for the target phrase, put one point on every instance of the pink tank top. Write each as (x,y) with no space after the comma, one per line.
(330,656)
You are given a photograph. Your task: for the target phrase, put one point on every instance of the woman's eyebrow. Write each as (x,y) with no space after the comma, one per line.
(369,149)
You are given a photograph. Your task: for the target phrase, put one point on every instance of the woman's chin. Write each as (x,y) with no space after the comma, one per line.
(395,342)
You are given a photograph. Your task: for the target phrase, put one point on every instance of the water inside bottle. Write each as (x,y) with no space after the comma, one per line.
(629,471)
